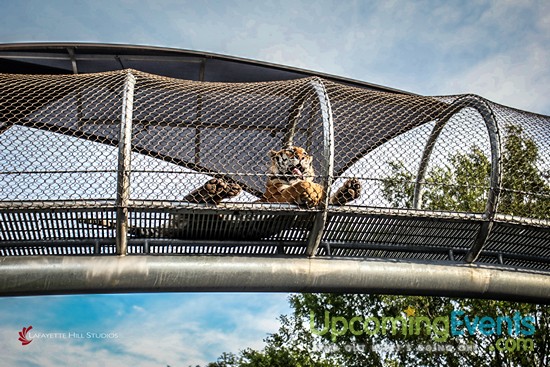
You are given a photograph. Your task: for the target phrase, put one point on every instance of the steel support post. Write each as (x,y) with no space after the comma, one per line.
(327,173)
(124,165)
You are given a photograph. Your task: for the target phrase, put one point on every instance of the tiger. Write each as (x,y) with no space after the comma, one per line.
(291,177)
(290,180)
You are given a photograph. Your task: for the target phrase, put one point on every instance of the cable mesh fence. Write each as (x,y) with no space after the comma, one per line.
(266,162)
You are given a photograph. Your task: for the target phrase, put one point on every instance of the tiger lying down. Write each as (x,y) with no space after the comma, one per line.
(290,181)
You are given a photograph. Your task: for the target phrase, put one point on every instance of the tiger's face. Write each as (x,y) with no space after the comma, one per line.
(290,165)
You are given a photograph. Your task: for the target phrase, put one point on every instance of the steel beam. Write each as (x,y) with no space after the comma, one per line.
(117,274)
(494,140)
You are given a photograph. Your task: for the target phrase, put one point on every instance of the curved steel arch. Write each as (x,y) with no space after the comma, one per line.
(327,173)
(495,180)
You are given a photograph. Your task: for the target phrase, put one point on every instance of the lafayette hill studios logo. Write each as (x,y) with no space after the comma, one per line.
(26,336)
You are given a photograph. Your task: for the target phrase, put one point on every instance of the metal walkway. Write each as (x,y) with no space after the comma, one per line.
(94,169)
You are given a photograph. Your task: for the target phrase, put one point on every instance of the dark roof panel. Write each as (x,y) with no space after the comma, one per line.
(56,58)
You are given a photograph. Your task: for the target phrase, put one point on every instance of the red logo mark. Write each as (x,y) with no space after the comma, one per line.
(23,336)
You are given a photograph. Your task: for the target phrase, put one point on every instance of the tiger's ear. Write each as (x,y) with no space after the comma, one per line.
(272,153)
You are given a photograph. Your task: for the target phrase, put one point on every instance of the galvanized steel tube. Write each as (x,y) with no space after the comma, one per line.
(108,274)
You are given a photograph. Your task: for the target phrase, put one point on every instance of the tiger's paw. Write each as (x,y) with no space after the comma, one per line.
(213,192)
(214,187)
(310,194)
(218,189)
(233,189)
(308,200)
(350,190)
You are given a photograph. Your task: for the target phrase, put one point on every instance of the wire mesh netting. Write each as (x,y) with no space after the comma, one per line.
(296,167)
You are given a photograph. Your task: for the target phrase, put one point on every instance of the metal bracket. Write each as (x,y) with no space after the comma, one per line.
(74,65)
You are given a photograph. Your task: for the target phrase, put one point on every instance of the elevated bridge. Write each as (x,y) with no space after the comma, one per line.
(101,145)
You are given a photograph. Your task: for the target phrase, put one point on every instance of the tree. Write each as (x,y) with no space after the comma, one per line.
(273,355)
(525,190)
(422,349)
(225,360)
(463,184)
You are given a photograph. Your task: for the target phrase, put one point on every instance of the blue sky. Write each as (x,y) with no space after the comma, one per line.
(173,329)
(498,49)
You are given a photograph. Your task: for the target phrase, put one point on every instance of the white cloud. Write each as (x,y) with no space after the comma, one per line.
(508,79)
(197,332)
(138,308)
(496,49)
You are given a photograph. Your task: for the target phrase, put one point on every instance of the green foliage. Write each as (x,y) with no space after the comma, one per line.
(295,345)
(463,184)
(284,349)
(398,187)
(225,360)
(279,357)
(525,191)
(407,350)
